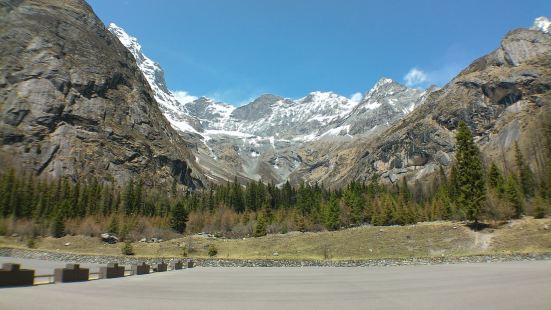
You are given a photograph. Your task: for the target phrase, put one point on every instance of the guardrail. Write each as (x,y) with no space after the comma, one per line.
(12,275)
(50,278)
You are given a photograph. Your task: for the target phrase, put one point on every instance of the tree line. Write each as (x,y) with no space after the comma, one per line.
(468,191)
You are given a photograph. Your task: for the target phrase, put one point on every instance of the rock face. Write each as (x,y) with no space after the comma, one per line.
(74,103)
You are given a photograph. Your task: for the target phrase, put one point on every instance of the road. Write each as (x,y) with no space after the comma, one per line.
(508,285)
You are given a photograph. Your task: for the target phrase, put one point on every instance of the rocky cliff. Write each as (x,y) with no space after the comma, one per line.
(74,103)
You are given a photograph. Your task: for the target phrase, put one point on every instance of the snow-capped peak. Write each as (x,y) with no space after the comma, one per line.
(127,40)
(174,110)
(542,24)
(380,84)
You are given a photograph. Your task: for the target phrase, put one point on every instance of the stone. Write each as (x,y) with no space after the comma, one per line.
(143,240)
(546,227)
(275,254)
(67,244)
(109,238)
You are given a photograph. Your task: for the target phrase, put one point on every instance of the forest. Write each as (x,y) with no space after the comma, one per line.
(470,190)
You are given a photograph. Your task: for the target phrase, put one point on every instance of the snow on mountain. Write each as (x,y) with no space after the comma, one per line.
(263,139)
(174,111)
(542,24)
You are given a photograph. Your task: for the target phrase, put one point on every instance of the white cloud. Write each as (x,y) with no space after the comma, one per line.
(356,97)
(415,77)
(183,96)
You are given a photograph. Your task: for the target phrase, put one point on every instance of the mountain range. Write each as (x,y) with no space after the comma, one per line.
(80,99)
(276,139)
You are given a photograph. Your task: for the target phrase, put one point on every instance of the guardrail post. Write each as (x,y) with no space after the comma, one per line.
(140,269)
(161,267)
(12,275)
(175,265)
(71,273)
(112,270)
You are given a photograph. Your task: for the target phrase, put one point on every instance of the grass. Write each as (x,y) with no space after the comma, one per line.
(367,242)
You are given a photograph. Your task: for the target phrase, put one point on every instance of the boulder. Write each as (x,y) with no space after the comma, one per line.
(109,238)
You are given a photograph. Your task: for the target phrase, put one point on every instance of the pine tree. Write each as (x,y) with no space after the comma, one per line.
(128,198)
(469,177)
(331,213)
(113,227)
(525,175)
(260,227)
(179,217)
(58,229)
(513,193)
(495,178)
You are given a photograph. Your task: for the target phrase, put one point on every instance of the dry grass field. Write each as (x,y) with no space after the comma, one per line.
(527,235)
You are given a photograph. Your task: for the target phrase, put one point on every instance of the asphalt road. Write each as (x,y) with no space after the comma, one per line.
(510,285)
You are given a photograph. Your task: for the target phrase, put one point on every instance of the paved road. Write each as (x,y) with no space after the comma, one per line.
(511,285)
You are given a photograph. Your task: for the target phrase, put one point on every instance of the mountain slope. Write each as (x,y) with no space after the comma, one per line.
(265,139)
(74,103)
(504,97)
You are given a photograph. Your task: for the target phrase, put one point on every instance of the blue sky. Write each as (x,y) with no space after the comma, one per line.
(235,50)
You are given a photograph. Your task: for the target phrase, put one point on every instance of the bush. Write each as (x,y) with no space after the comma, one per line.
(31,243)
(212,250)
(127,249)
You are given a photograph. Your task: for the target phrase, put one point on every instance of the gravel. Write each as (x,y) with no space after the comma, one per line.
(127,260)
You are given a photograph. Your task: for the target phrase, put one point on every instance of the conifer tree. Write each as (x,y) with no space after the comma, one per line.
(179,217)
(513,193)
(331,213)
(469,177)
(58,229)
(495,178)
(260,227)
(525,175)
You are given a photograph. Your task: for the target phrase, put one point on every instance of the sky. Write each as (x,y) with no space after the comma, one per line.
(236,50)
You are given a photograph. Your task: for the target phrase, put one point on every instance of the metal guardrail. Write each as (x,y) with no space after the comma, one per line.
(49,281)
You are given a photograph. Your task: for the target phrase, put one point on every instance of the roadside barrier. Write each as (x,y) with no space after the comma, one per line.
(176,265)
(161,267)
(13,275)
(140,269)
(112,270)
(71,273)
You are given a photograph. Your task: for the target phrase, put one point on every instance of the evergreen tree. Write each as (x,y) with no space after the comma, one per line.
(113,227)
(525,175)
(58,229)
(513,193)
(260,227)
(179,217)
(331,213)
(128,198)
(469,177)
(495,178)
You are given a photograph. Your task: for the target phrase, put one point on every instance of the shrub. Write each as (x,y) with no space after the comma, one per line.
(212,250)
(31,243)
(127,249)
